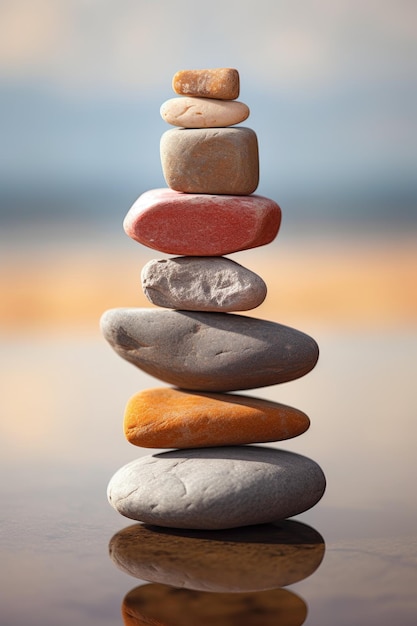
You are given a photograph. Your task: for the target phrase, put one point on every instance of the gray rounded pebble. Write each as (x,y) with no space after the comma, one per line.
(216,488)
(209,351)
(202,284)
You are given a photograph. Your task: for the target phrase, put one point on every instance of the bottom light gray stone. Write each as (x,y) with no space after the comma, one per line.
(215,488)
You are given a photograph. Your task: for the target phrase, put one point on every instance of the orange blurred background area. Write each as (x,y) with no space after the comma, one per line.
(346,282)
(332,93)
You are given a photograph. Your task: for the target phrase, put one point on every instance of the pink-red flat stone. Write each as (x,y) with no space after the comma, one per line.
(202,224)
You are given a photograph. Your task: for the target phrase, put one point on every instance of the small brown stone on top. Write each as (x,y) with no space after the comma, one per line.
(221,83)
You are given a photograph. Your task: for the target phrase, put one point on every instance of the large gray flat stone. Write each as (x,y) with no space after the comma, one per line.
(209,351)
(214,488)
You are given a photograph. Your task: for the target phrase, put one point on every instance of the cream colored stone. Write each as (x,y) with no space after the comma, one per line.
(191,112)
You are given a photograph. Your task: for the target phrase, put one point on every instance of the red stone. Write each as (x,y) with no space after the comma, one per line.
(202,224)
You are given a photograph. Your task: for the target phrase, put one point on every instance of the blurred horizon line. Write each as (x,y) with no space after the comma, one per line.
(65,201)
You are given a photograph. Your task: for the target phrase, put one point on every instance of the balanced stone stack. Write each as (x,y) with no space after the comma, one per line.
(210,478)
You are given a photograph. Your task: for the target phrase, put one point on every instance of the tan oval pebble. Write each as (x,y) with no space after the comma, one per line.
(254,558)
(163,605)
(170,418)
(221,82)
(190,112)
(202,284)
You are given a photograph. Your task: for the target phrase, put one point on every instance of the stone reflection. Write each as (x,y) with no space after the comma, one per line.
(162,605)
(252,558)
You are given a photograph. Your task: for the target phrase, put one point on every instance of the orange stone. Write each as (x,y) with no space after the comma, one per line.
(165,417)
(221,83)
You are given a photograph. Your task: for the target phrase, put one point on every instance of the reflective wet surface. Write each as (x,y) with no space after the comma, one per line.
(249,558)
(68,558)
(161,604)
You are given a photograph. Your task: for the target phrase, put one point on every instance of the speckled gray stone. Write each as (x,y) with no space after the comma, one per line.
(209,351)
(214,488)
(202,284)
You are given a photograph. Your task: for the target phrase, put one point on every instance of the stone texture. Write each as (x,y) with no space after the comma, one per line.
(251,558)
(222,83)
(203,112)
(215,488)
(209,351)
(161,605)
(170,418)
(202,225)
(211,160)
(202,284)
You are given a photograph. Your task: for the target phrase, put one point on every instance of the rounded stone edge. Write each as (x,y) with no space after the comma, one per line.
(214,523)
(158,297)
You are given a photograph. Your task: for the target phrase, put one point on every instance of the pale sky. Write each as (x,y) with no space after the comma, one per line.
(331,84)
(137,44)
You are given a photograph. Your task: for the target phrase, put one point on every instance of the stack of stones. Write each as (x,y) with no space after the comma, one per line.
(211,478)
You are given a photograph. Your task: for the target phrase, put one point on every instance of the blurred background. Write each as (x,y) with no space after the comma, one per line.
(332,88)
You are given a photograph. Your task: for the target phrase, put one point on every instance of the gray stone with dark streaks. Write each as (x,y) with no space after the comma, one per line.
(209,351)
(214,488)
